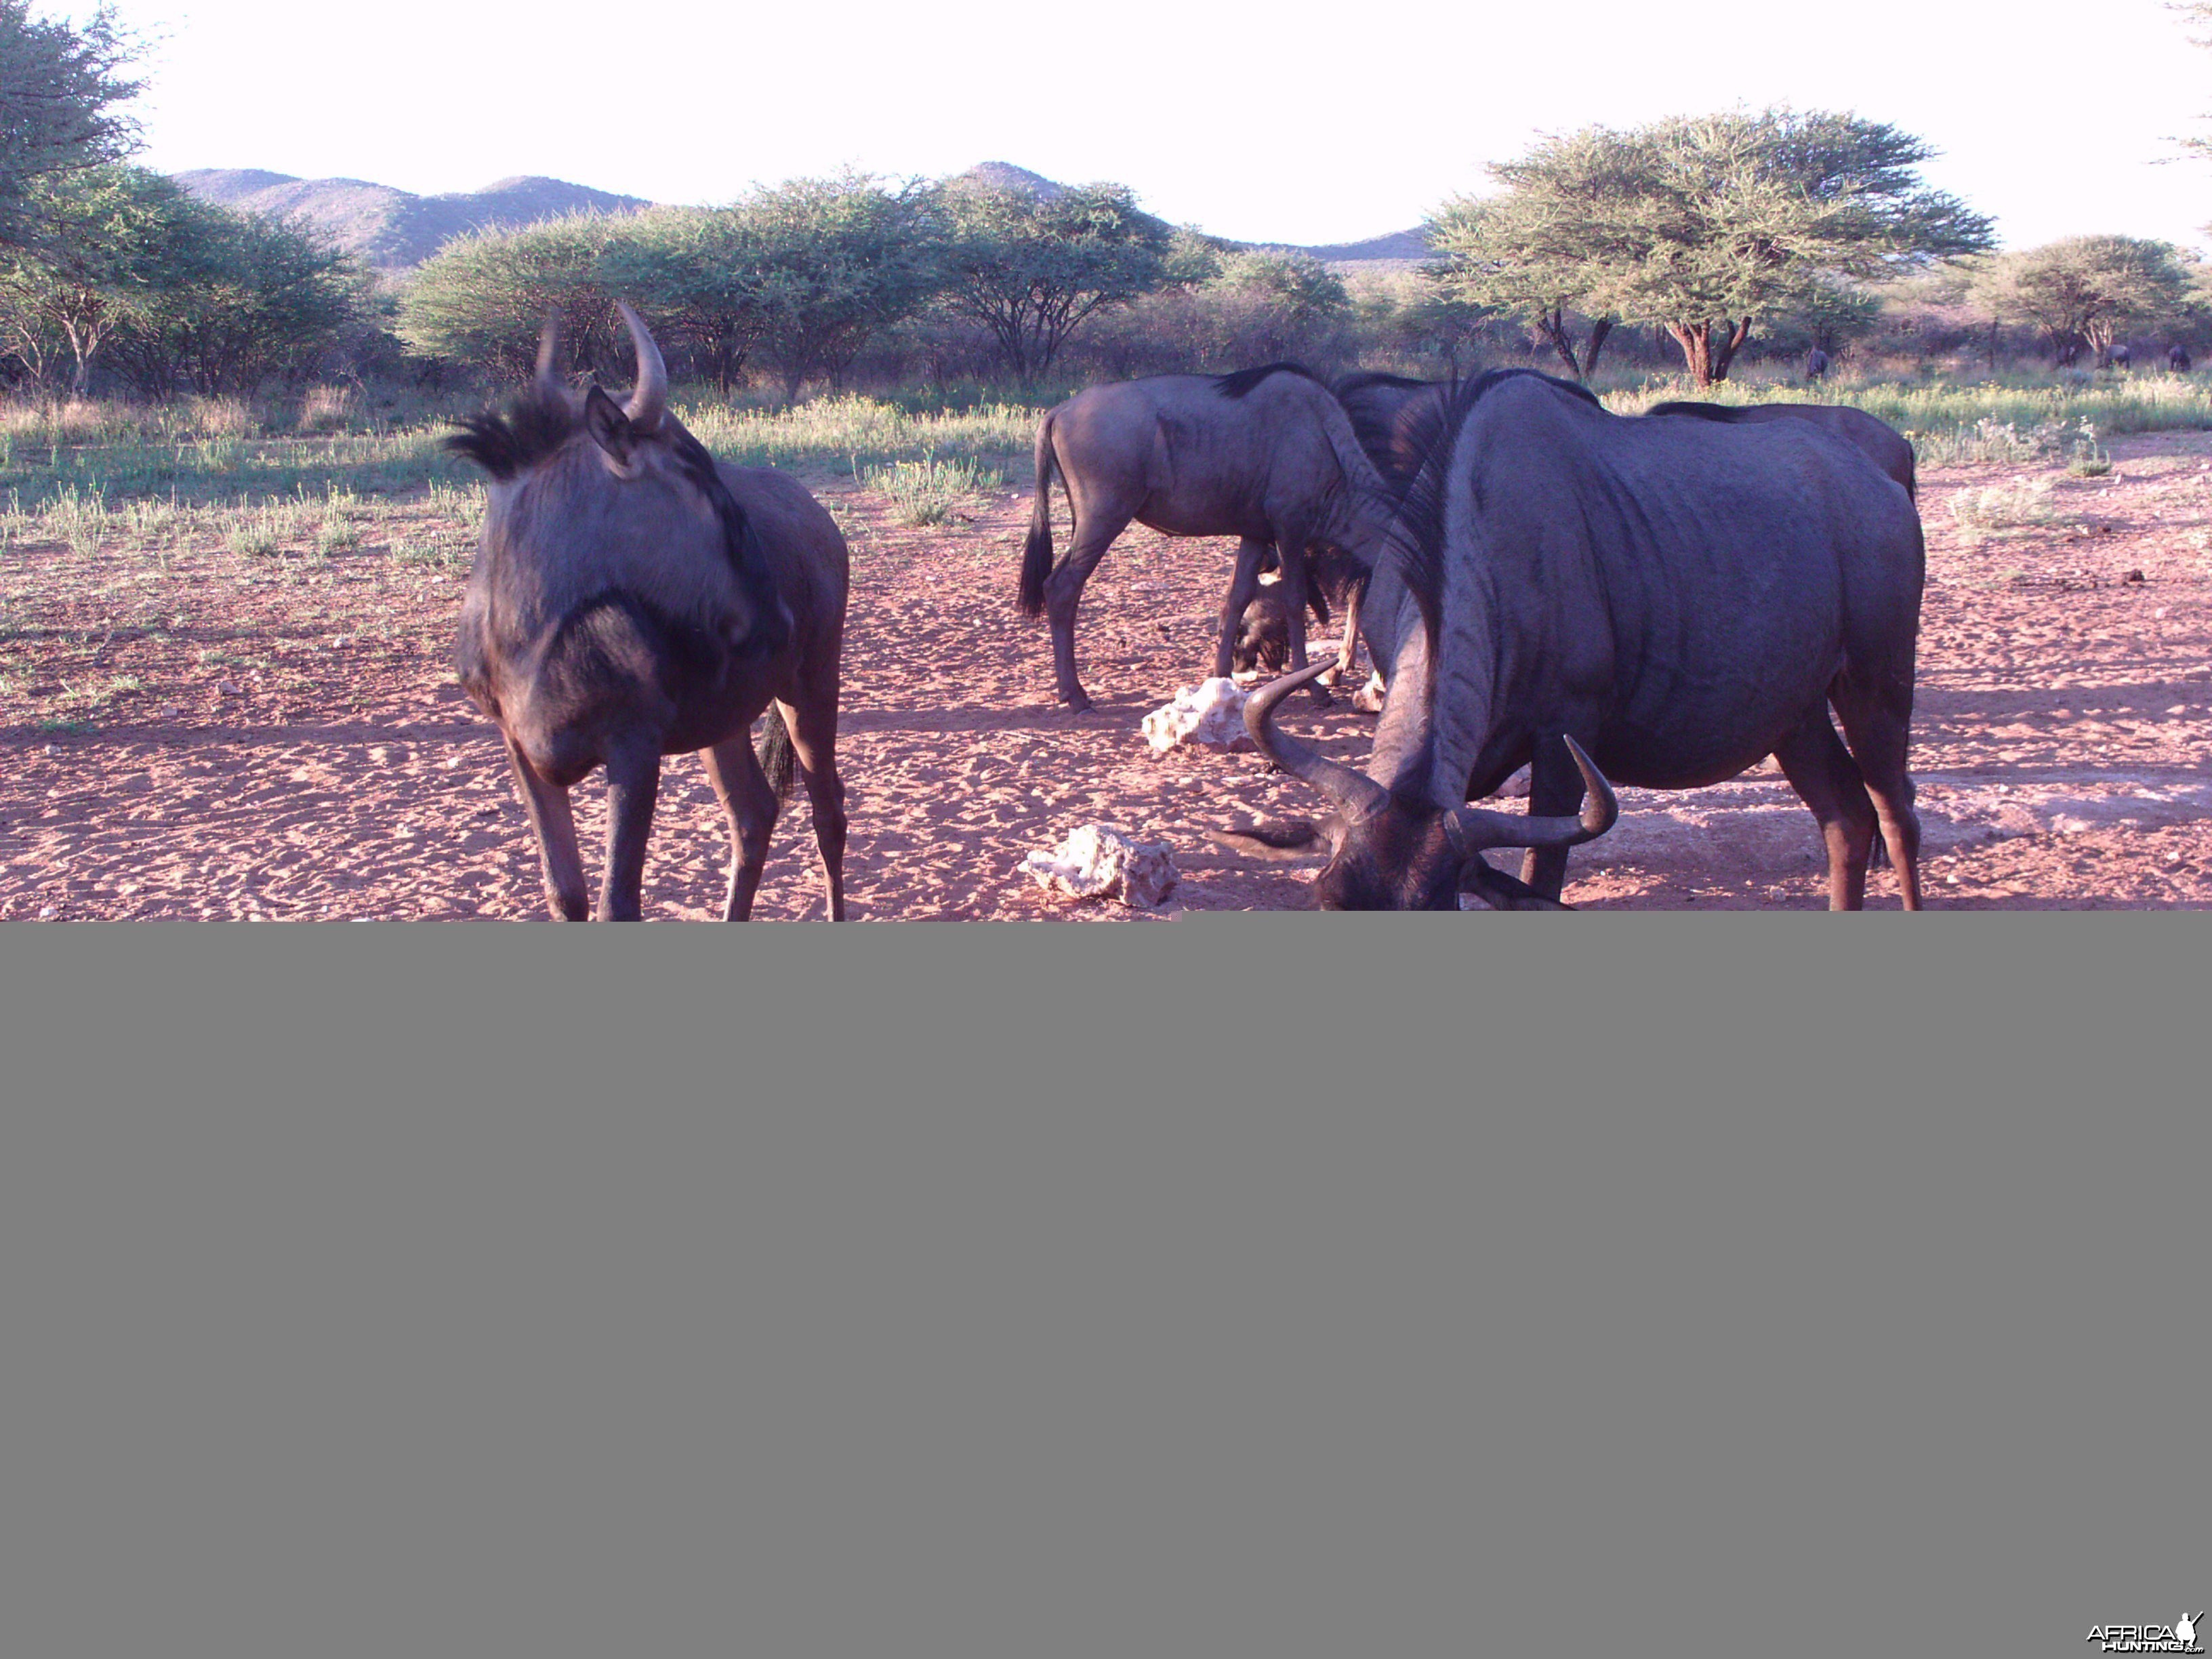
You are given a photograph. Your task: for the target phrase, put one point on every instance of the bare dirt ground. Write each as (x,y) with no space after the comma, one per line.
(282,739)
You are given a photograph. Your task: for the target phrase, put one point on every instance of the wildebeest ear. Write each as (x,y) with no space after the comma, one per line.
(1300,838)
(609,427)
(1501,891)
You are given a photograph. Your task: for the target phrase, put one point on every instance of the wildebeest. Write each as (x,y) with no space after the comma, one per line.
(1263,638)
(1882,443)
(1659,602)
(1266,454)
(633,598)
(2176,360)
(2120,357)
(1816,364)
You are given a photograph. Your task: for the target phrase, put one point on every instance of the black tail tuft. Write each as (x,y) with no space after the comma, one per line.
(776,757)
(1036,551)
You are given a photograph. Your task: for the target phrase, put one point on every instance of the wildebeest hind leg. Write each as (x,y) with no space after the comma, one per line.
(1827,779)
(1878,725)
(1555,789)
(814,742)
(1063,591)
(555,824)
(633,785)
(752,805)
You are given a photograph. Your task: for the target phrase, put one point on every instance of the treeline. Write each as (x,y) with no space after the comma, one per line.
(1694,244)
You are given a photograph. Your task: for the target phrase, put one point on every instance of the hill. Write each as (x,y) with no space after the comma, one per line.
(390,229)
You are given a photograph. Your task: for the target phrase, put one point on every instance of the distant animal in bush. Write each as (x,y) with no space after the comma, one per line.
(633,598)
(1816,364)
(1882,444)
(2120,356)
(1266,455)
(2176,360)
(1679,598)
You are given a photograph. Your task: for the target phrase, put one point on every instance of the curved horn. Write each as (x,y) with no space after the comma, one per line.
(1473,829)
(1353,791)
(548,347)
(650,401)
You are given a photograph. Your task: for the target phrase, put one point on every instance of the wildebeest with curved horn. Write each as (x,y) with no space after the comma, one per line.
(1662,603)
(1266,454)
(633,598)
(1881,443)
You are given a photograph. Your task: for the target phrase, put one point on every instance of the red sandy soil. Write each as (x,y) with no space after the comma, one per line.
(295,747)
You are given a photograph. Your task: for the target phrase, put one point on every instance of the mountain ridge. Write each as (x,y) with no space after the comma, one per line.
(392,230)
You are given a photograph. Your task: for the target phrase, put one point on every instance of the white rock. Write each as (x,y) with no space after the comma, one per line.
(1208,715)
(1096,862)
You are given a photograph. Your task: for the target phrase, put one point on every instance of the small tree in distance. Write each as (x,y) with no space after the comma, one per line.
(2080,290)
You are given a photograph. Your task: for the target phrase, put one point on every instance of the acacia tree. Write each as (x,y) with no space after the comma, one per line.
(236,298)
(1031,269)
(833,261)
(112,245)
(60,92)
(1528,251)
(483,299)
(697,272)
(1703,225)
(2080,290)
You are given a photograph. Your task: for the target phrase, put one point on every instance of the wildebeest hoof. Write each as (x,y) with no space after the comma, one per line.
(1078,704)
(1321,696)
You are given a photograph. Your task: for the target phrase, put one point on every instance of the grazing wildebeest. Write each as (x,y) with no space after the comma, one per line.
(1882,443)
(2176,360)
(1678,599)
(633,598)
(1263,639)
(1816,364)
(2120,357)
(1266,454)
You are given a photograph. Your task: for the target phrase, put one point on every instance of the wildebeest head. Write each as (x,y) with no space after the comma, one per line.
(1389,851)
(588,496)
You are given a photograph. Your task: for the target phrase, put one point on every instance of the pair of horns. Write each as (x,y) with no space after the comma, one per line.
(1471,828)
(649,401)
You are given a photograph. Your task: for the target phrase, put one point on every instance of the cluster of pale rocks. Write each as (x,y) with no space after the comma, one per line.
(1098,861)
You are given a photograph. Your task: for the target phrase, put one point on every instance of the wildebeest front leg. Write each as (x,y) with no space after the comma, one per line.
(751,803)
(1555,790)
(814,742)
(633,785)
(554,825)
(1242,587)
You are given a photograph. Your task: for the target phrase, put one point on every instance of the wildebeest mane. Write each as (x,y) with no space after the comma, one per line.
(1240,384)
(1721,412)
(508,443)
(1415,545)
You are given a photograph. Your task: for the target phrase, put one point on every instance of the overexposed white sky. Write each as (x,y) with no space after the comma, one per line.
(1260,122)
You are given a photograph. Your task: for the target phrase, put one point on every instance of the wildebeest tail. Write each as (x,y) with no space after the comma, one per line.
(1036,551)
(776,757)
